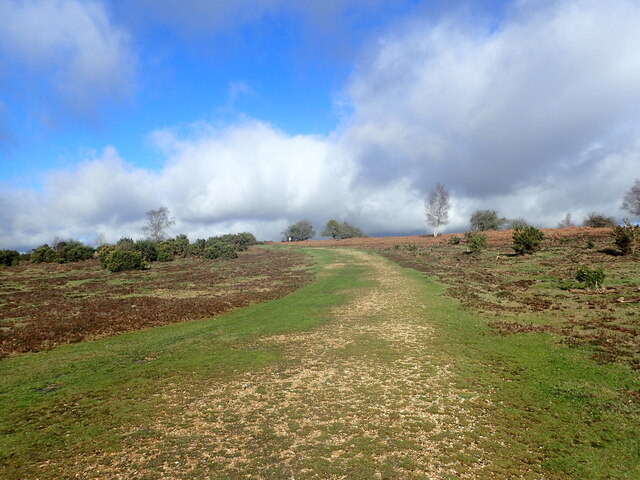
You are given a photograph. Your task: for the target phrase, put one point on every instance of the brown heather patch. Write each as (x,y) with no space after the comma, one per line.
(45,305)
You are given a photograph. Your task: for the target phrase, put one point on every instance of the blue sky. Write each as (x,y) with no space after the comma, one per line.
(250,115)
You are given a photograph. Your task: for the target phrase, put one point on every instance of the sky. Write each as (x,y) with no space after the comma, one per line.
(250,115)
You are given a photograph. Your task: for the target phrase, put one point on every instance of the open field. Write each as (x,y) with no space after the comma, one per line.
(485,366)
(45,305)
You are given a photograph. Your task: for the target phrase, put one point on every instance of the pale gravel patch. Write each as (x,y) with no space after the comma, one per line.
(404,410)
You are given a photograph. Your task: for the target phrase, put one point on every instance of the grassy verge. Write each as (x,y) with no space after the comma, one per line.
(550,405)
(83,398)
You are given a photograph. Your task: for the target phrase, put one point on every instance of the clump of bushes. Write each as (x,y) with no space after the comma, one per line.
(9,258)
(476,241)
(120,259)
(63,252)
(590,277)
(166,252)
(626,237)
(220,249)
(526,239)
(455,240)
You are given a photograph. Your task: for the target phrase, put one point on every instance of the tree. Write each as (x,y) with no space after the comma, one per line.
(341,231)
(483,220)
(519,222)
(598,220)
(437,207)
(301,230)
(631,202)
(158,221)
(566,222)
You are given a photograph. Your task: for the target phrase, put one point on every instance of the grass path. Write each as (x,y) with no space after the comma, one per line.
(362,396)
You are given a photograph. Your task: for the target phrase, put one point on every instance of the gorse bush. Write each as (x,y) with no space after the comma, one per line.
(526,239)
(592,278)
(9,258)
(148,249)
(476,241)
(220,250)
(166,251)
(455,240)
(103,254)
(120,260)
(626,237)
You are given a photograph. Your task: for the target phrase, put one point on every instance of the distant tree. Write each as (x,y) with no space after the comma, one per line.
(341,231)
(100,240)
(519,222)
(158,221)
(483,220)
(566,222)
(631,202)
(598,220)
(301,230)
(436,207)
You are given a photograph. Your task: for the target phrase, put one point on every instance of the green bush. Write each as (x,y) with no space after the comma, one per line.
(9,258)
(476,241)
(626,237)
(43,254)
(165,251)
(73,251)
(120,260)
(181,245)
(196,249)
(103,254)
(148,249)
(592,278)
(220,250)
(125,243)
(455,240)
(526,239)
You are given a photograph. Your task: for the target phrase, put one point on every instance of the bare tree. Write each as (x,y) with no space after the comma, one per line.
(631,202)
(566,222)
(158,221)
(436,207)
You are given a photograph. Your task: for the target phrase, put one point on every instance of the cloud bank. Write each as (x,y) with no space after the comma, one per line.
(535,117)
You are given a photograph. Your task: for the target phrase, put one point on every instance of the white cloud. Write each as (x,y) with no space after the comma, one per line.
(489,110)
(86,58)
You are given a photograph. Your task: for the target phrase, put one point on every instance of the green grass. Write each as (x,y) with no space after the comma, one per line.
(572,417)
(82,398)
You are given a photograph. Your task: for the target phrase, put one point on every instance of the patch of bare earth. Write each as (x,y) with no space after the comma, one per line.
(361,397)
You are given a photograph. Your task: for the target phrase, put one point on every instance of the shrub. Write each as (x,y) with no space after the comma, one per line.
(148,249)
(598,220)
(165,252)
(103,254)
(476,241)
(43,254)
(590,277)
(220,250)
(181,245)
(120,260)
(526,239)
(125,243)
(73,251)
(196,249)
(340,231)
(626,237)
(455,240)
(9,258)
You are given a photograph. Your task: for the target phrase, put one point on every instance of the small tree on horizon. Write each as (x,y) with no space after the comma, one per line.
(631,202)
(598,220)
(340,231)
(566,221)
(483,220)
(301,230)
(436,207)
(158,221)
